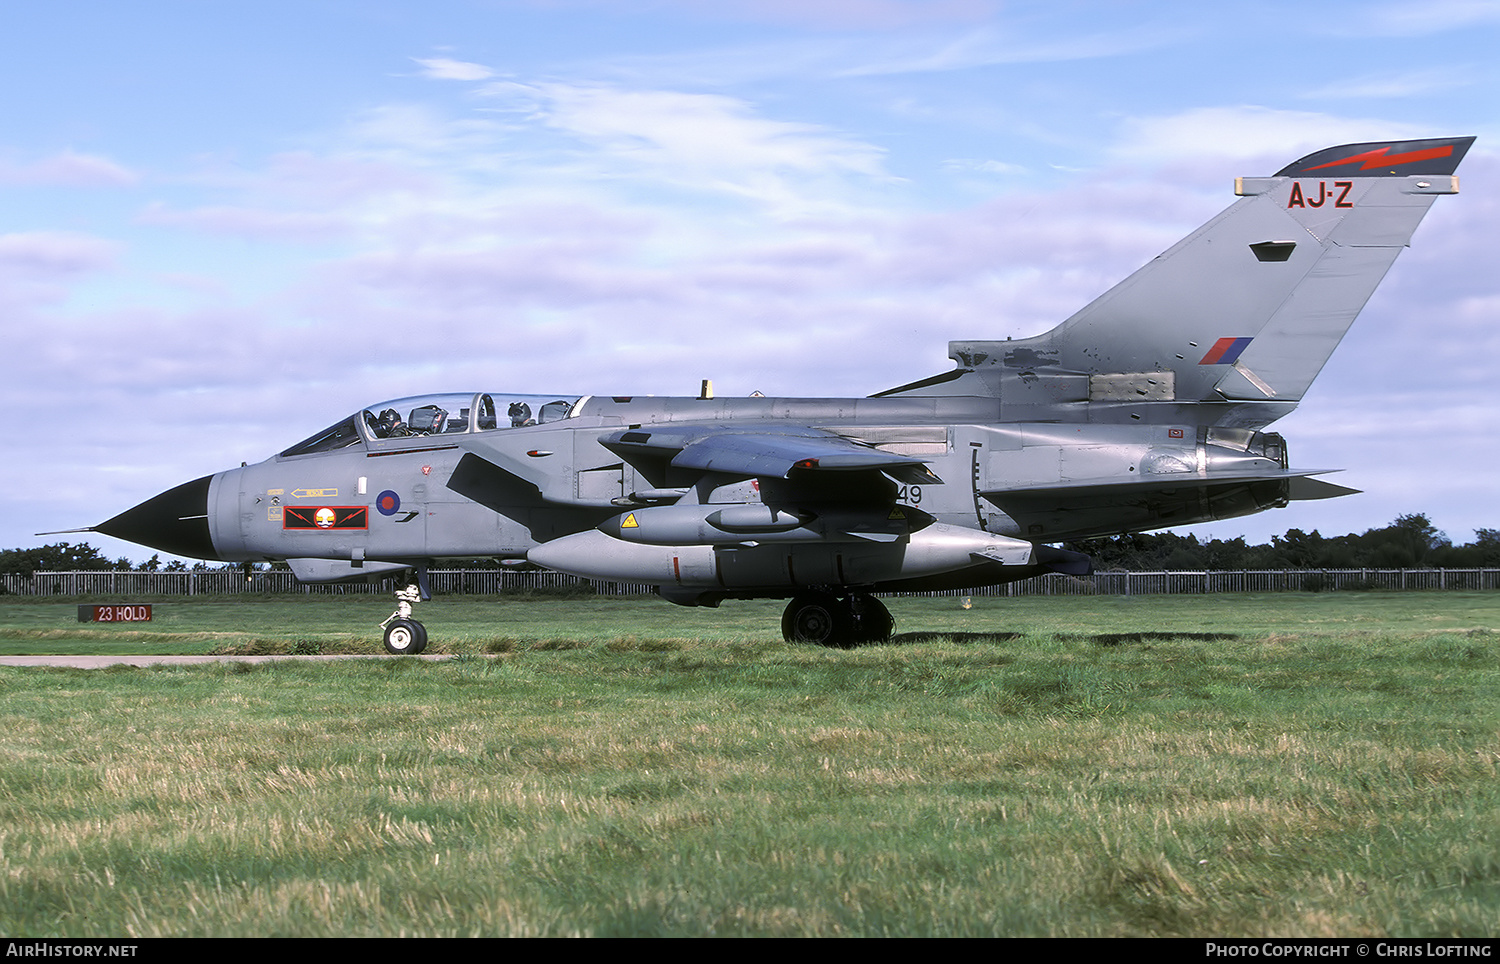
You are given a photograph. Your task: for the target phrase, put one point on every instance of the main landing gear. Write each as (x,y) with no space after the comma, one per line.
(825,619)
(404,636)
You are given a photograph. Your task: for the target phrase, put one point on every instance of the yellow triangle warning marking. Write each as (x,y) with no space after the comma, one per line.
(630,522)
(896,513)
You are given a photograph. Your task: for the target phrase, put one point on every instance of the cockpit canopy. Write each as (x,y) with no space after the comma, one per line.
(448,414)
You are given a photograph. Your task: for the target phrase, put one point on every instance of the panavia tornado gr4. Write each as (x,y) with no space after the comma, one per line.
(1144,410)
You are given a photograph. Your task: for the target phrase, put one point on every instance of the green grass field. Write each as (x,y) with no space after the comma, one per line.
(1279,765)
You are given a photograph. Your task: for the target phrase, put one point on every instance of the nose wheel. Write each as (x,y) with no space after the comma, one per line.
(827,620)
(404,636)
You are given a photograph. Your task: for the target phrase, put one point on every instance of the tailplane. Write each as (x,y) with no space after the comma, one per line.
(1242,314)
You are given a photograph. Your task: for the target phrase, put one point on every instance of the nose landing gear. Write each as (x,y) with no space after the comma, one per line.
(404,636)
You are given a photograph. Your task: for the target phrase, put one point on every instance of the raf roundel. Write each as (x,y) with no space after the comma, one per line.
(388,502)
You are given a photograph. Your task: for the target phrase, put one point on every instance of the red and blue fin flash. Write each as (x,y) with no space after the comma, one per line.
(1226,351)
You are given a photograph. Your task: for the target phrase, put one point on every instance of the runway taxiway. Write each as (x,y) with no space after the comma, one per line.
(101,662)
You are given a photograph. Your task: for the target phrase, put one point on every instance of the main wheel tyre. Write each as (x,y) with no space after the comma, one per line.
(872,621)
(405,637)
(818,618)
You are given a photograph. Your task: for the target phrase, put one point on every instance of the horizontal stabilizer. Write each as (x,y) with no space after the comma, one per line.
(1064,561)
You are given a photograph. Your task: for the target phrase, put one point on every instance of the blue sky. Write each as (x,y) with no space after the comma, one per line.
(225,225)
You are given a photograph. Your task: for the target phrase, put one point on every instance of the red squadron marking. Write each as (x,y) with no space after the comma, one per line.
(325,518)
(1381,156)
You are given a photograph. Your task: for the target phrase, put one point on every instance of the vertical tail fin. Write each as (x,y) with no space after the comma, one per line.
(1249,307)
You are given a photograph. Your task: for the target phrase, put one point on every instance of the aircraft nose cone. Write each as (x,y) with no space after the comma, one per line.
(175,521)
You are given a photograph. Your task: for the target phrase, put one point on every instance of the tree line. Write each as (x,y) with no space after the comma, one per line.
(82,557)
(1410,542)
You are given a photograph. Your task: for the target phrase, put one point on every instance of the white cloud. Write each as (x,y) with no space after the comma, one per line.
(1387,85)
(37,267)
(68,169)
(705,131)
(969,165)
(595,143)
(828,14)
(989,46)
(441,68)
(1438,16)
(854,14)
(409,133)
(53,254)
(1246,132)
(706,142)
(250,222)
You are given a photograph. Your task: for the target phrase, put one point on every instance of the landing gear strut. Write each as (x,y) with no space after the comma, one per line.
(825,619)
(404,636)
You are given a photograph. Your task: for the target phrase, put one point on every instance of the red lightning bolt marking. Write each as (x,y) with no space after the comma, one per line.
(1378,158)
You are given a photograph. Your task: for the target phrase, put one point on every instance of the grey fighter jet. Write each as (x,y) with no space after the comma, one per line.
(1144,410)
